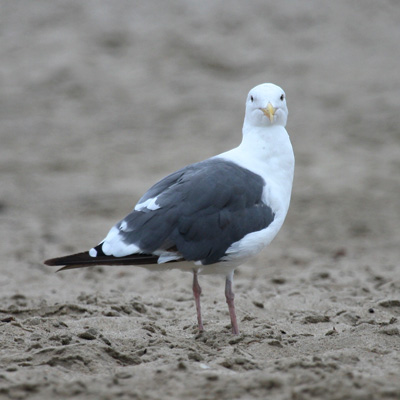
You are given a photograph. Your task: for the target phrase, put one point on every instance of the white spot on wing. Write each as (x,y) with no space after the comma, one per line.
(92,252)
(113,245)
(123,226)
(150,204)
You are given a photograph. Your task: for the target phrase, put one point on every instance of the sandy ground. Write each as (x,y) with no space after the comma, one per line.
(100,99)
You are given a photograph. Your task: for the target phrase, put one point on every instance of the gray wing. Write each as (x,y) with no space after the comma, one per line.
(198,212)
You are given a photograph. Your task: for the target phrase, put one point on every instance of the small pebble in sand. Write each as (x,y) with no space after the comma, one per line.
(89,334)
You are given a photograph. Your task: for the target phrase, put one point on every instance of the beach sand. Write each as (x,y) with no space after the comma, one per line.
(99,100)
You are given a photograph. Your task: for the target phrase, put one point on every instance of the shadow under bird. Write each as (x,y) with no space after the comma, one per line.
(211,216)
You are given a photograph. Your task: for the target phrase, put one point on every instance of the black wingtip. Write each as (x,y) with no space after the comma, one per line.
(51,262)
(67,267)
(73,259)
(82,260)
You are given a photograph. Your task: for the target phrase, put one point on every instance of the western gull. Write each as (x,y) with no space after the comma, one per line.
(211,216)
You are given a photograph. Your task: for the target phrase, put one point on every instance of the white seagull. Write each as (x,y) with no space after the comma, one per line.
(211,216)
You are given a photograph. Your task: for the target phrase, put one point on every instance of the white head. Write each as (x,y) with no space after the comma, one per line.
(266,106)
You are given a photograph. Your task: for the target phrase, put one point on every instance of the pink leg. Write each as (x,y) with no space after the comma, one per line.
(197,293)
(230,297)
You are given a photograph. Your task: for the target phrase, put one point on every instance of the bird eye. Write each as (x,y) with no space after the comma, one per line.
(282,97)
(251,98)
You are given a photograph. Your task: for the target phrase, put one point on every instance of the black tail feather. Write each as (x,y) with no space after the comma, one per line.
(81,260)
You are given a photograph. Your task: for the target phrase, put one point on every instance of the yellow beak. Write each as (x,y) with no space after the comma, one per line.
(269,111)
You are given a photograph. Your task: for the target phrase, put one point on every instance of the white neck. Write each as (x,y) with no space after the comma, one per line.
(264,142)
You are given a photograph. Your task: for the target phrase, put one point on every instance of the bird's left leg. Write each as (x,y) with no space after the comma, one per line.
(197,293)
(230,297)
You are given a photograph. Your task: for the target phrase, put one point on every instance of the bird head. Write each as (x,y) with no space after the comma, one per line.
(266,106)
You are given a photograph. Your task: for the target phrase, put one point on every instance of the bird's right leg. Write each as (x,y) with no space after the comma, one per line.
(197,293)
